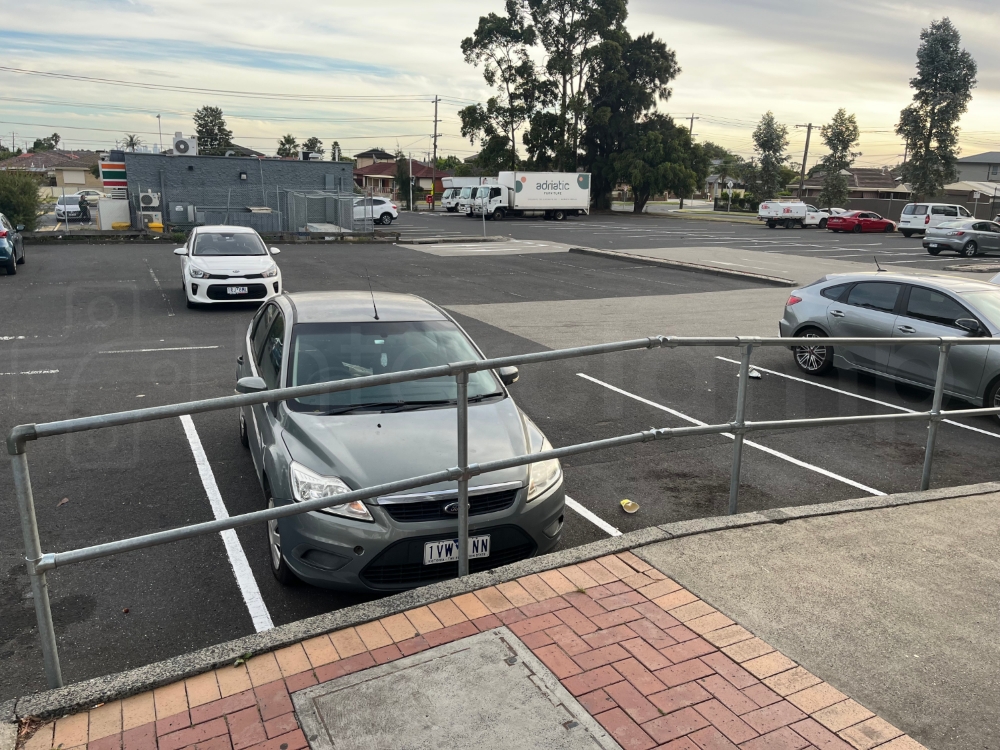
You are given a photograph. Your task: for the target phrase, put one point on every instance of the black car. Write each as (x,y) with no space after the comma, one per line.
(11,245)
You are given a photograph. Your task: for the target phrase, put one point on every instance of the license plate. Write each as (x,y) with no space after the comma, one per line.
(447,550)
(931,244)
(237,290)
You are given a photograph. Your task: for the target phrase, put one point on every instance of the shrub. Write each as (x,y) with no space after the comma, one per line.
(19,199)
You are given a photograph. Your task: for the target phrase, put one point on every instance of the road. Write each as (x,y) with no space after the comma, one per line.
(94,329)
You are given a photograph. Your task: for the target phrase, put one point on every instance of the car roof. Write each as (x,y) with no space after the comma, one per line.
(356,307)
(951,283)
(224,229)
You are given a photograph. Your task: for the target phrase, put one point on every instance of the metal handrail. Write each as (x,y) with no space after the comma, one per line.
(39,563)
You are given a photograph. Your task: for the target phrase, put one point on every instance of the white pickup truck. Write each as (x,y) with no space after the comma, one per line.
(791,214)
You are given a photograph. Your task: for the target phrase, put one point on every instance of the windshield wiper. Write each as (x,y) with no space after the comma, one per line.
(373,406)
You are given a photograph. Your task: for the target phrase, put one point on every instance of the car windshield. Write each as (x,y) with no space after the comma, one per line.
(70,200)
(323,352)
(988,303)
(228,243)
(466,192)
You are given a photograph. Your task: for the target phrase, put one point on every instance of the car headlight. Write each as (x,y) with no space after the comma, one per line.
(270,272)
(197,273)
(544,474)
(307,485)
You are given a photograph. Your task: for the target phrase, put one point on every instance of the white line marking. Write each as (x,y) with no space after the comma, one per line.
(162,349)
(10,338)
(758,446)
(862,398)
(237,557)
(170,310)
(592,517)
(32,372)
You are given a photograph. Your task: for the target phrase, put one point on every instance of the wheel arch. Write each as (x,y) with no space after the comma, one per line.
(811,324)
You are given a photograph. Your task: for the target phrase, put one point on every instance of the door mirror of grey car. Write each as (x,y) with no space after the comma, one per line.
(508,375)
(971,325)
(250,385)
(275,251)
(180,251)
(19,228)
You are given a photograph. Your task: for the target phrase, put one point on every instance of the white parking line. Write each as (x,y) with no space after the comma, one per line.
(237,557)
(592,517)
(161,349)
(32,372)
(861,398)
(156,281)
(758,446)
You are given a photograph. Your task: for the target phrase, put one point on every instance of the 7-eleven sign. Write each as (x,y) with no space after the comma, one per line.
(113,177)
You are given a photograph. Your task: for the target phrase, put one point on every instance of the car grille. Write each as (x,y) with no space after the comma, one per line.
(401,565)
(241,276)
(254,291)
(433,510)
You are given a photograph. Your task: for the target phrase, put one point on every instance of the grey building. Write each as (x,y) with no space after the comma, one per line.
(979,167)
(249,191)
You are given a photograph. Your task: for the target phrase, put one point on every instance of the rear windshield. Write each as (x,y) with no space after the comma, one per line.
(228,243)
(951,224)
(988,303)
(323,352)
(914,209)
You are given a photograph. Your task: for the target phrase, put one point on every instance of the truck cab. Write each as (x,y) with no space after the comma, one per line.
(493,200)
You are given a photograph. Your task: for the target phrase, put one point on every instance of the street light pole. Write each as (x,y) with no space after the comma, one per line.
(805,156)
(159,127)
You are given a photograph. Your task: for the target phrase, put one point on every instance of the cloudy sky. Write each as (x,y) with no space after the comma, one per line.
(365,74)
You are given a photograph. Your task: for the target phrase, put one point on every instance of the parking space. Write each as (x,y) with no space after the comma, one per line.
(91,329)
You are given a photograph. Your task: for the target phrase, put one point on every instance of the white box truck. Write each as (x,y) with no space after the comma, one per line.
(790,214)
(554,195)
(453,187)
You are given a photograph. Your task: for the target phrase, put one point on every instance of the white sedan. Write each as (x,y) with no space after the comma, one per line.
(227,264)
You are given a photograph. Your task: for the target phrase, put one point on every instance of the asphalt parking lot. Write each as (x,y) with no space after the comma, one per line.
(94,329)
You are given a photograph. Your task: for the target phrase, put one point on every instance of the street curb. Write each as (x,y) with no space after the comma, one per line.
(445,240)
(696,267)
(86,694)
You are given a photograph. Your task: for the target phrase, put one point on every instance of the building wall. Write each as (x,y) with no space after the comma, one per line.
(77,180)
(978,172)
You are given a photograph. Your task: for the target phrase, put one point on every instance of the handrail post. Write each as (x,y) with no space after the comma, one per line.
(32,554)
(934,418)
(738,423)
(462,398)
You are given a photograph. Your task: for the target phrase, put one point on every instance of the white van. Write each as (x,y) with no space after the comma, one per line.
(917,217)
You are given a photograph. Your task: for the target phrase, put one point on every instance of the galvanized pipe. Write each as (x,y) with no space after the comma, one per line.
(934,418)
(738,424)
(33,553)
(462,397)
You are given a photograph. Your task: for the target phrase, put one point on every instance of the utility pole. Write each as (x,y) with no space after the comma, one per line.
(691,135)
(159,127)
(802,172)
(435,157)
(411,181)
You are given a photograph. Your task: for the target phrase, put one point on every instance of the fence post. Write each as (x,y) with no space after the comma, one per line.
(741,404)
(934,419)
(462,398)
(33,552)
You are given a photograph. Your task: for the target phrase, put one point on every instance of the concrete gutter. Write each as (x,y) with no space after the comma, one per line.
(85,695)
(696,267)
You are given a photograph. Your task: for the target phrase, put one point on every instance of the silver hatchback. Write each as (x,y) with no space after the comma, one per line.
(968,237)
(898,306)
(326,445)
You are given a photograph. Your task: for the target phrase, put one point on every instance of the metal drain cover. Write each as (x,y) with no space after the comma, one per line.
(484,691)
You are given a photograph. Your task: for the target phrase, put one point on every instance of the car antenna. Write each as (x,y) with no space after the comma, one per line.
(876,264)
(371,292)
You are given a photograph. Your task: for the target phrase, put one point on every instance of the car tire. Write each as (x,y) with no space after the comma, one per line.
(789,224)
(11,266)
(906,233)
(244,437)
(385,219)
(771,223)
(933,250)
(992,399)
(813,360)
(559,215)
(822,223)
(856,229)
(970,250)
(889,229)
(498,215)
(279,567)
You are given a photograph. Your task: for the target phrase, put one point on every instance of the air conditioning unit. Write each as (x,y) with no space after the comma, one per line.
(310,156)
(185,146)
(149,201)
(153,217)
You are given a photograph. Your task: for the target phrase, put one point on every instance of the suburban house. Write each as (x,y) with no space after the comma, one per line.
(380,177)
(62,169)
(373,156)
(715,185)
(979,167)
(861,183)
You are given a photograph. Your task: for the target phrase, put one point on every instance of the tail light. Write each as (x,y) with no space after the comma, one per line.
(393,206)
(793,300)
(955,234)
(3,233)
(927,219)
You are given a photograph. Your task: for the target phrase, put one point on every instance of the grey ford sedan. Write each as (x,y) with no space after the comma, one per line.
(901,306)
(969,237)
(330,444)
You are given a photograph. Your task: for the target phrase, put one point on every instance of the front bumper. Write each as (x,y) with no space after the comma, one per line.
(215,291)
(384,556)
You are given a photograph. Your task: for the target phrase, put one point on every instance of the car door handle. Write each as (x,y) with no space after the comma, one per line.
(836,313)
(907,329)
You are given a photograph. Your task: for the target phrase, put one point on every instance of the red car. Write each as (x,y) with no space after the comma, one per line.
(860,221)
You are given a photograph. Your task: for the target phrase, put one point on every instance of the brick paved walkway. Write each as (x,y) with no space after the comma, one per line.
(655,665)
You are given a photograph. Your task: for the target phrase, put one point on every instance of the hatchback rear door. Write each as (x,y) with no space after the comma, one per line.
(868,311)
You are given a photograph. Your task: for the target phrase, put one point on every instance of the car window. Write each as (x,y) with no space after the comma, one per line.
(494,192)
(271,353)
(909,209)
(259,333)
(811,208)
(949,210)
(934,307)
(982,226)
(993,227)
(834,292)
(964,211)
(228,243)
(875,295)
(875,216)
(920,210)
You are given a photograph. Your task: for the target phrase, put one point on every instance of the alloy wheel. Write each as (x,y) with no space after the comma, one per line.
(811,358)
(273,538)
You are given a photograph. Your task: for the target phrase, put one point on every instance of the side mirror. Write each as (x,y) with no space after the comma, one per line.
(250,385)
(971,325)
(180,251)
(508,375)
(19,228)
(275,251)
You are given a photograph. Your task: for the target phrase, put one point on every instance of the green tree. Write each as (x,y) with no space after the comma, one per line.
(448,162)
(315,145)
(214,138)
(403,180)
(335,153)
(841,137)
(50,143)
(288,146)
(661,159)
(770,140)
(946,75)
(131,142)
(19,197)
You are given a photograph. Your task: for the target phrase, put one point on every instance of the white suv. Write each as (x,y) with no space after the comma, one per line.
(917,217)
(227,264)
(379,210)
